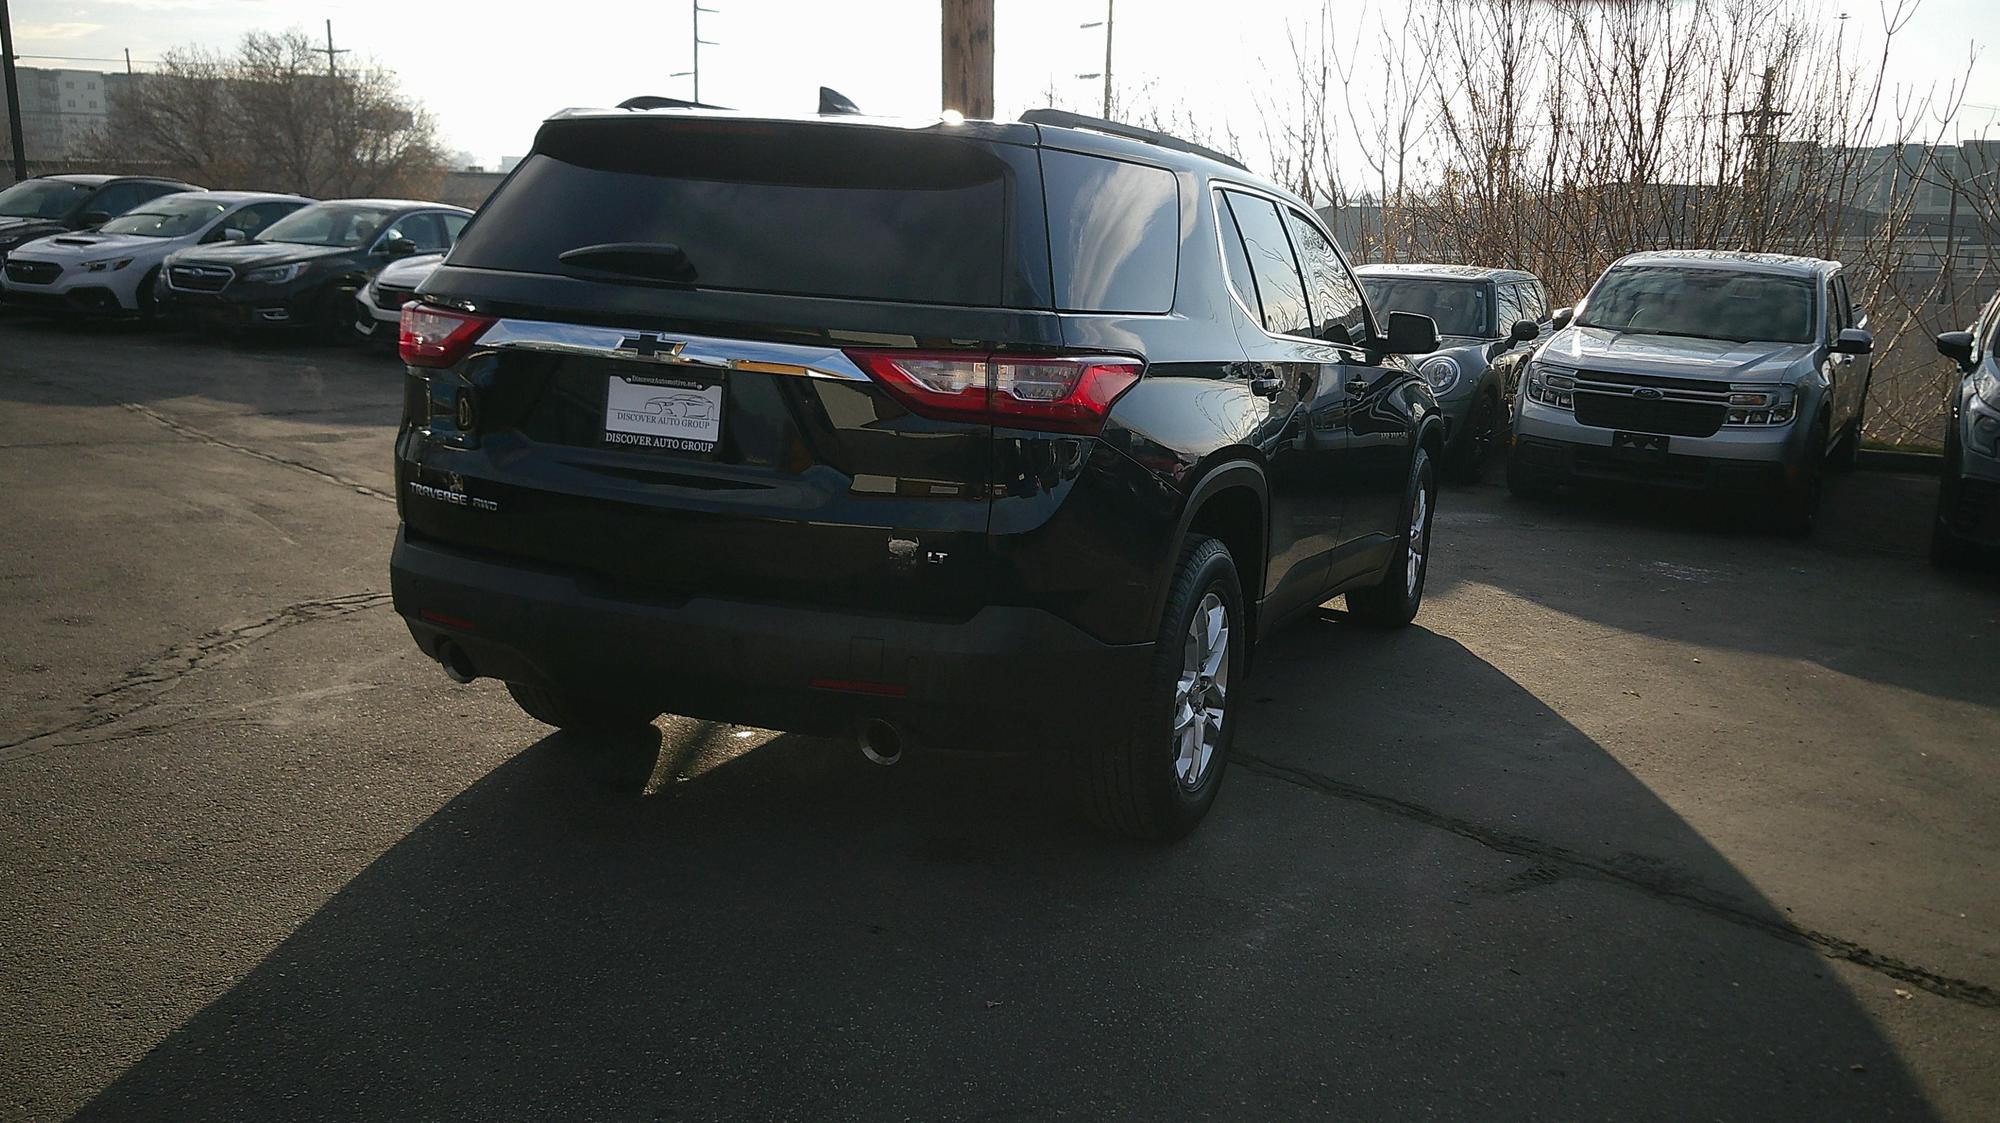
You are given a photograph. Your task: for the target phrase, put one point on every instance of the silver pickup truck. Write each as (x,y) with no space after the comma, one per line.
(1700,369)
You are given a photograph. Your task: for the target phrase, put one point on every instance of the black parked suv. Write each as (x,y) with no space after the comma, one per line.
(999,435)
(53,204)
(303,270)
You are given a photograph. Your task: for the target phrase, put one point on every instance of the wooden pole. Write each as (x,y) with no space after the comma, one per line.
(968,57)
(14,94)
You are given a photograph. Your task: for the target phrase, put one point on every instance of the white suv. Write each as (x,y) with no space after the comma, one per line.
(1700,369)
(112,269)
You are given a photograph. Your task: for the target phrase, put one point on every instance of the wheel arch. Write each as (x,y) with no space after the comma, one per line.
(1231,504)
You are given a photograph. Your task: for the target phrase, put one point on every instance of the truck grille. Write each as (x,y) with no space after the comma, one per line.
(200,278)
(1681,407)
(33,272)
(391,300)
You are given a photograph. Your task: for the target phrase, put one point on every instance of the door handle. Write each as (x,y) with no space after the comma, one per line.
(1359,386)
(1266,387)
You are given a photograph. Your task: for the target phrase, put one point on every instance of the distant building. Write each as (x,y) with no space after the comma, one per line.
(63,111)
(509,163)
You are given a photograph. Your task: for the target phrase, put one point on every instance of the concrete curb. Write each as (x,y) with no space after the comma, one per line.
(1888,460)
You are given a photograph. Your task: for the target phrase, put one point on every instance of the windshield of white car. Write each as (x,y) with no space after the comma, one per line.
(329,224)
(41,198)
(1459,307)
(165,218)
(1727,304)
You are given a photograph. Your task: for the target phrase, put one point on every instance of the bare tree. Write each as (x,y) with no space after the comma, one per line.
(273,117)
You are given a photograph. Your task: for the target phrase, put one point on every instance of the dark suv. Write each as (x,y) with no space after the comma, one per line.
(997,435)
(54,204)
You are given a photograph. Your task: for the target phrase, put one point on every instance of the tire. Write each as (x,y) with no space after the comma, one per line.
(578,712)
(334,317)
(1799,501)
(149,302)
(1394,601)
(1482,435)
(1523,481)
(1157,782)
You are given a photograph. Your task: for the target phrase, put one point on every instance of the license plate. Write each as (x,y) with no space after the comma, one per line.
(664,413)
(1644,444)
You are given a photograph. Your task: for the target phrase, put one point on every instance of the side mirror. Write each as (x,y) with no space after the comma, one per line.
(1560,318)
(91,220)
(1853,341)
(1524,331)
(397,247)
(1956,346)
(1411,334)
(231,234)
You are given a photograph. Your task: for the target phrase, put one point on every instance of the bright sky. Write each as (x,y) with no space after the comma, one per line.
(490,75)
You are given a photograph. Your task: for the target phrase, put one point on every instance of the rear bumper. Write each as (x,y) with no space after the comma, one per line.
(1007,678)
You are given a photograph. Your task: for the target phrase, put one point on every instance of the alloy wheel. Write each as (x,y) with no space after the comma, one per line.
(1201,692)
(1420,509)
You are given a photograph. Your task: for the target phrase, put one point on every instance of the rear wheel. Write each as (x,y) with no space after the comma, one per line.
(1158,781)
(1394,602)
(579,711)
(1482,433)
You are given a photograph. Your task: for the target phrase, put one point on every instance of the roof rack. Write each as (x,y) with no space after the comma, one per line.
(654,101)
(1063,118)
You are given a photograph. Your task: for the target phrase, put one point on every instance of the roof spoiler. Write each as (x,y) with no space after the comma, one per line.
(654,101)
(1063,118)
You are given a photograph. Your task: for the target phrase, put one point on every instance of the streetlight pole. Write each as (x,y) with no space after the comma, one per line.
(13,94)
(1105,23)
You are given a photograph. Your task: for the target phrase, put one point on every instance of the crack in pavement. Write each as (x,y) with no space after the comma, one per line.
(194,434)
(1660,885)
(144,685)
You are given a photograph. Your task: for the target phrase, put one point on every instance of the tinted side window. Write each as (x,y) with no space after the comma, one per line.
(1508,308)
(1235,259)
(454,225)
(1534,302)
(1335,296)
(121,197)
(423,230)
(1114,233)
(1279,286)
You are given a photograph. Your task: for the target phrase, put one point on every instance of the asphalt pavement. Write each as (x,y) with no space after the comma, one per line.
(1652,814)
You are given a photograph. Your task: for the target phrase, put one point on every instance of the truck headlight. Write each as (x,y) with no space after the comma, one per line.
(1441,371)
(1761,405)
(1982,415)
(275,274)
(1551,386)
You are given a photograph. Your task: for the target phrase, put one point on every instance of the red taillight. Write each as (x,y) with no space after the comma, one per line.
(438,337)
(1061,394)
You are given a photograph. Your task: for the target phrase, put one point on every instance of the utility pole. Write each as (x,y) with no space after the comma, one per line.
(13,94)
(967,28)
(1106,24)
(128,62)
(1762,138)
(329,51)
(699,43)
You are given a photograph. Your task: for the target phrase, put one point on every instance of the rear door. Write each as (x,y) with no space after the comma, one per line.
(1303,441)
(695,412)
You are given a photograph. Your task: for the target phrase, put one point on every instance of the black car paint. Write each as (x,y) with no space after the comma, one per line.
(324,289)
(1074,546)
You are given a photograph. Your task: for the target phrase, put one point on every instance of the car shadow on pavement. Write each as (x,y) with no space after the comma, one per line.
(104,362)
(1859,598)
(1401,906)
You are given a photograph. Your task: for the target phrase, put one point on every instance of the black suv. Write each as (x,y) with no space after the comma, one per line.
(995,435)
(303,270)
(53,204)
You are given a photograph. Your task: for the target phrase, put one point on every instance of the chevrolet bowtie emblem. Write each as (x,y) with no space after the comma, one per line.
(646,345)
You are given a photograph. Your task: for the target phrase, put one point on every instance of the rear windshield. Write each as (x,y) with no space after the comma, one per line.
(863,213)
(1459,307)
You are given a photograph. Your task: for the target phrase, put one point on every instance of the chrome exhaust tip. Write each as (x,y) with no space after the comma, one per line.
(881,742)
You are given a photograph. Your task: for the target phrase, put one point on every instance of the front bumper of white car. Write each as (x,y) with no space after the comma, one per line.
(71,286)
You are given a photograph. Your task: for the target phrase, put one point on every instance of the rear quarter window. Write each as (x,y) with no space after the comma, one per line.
(1114,233)
(860,213)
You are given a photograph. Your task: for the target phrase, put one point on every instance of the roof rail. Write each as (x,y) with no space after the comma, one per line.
(1063,118)
(654,101)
